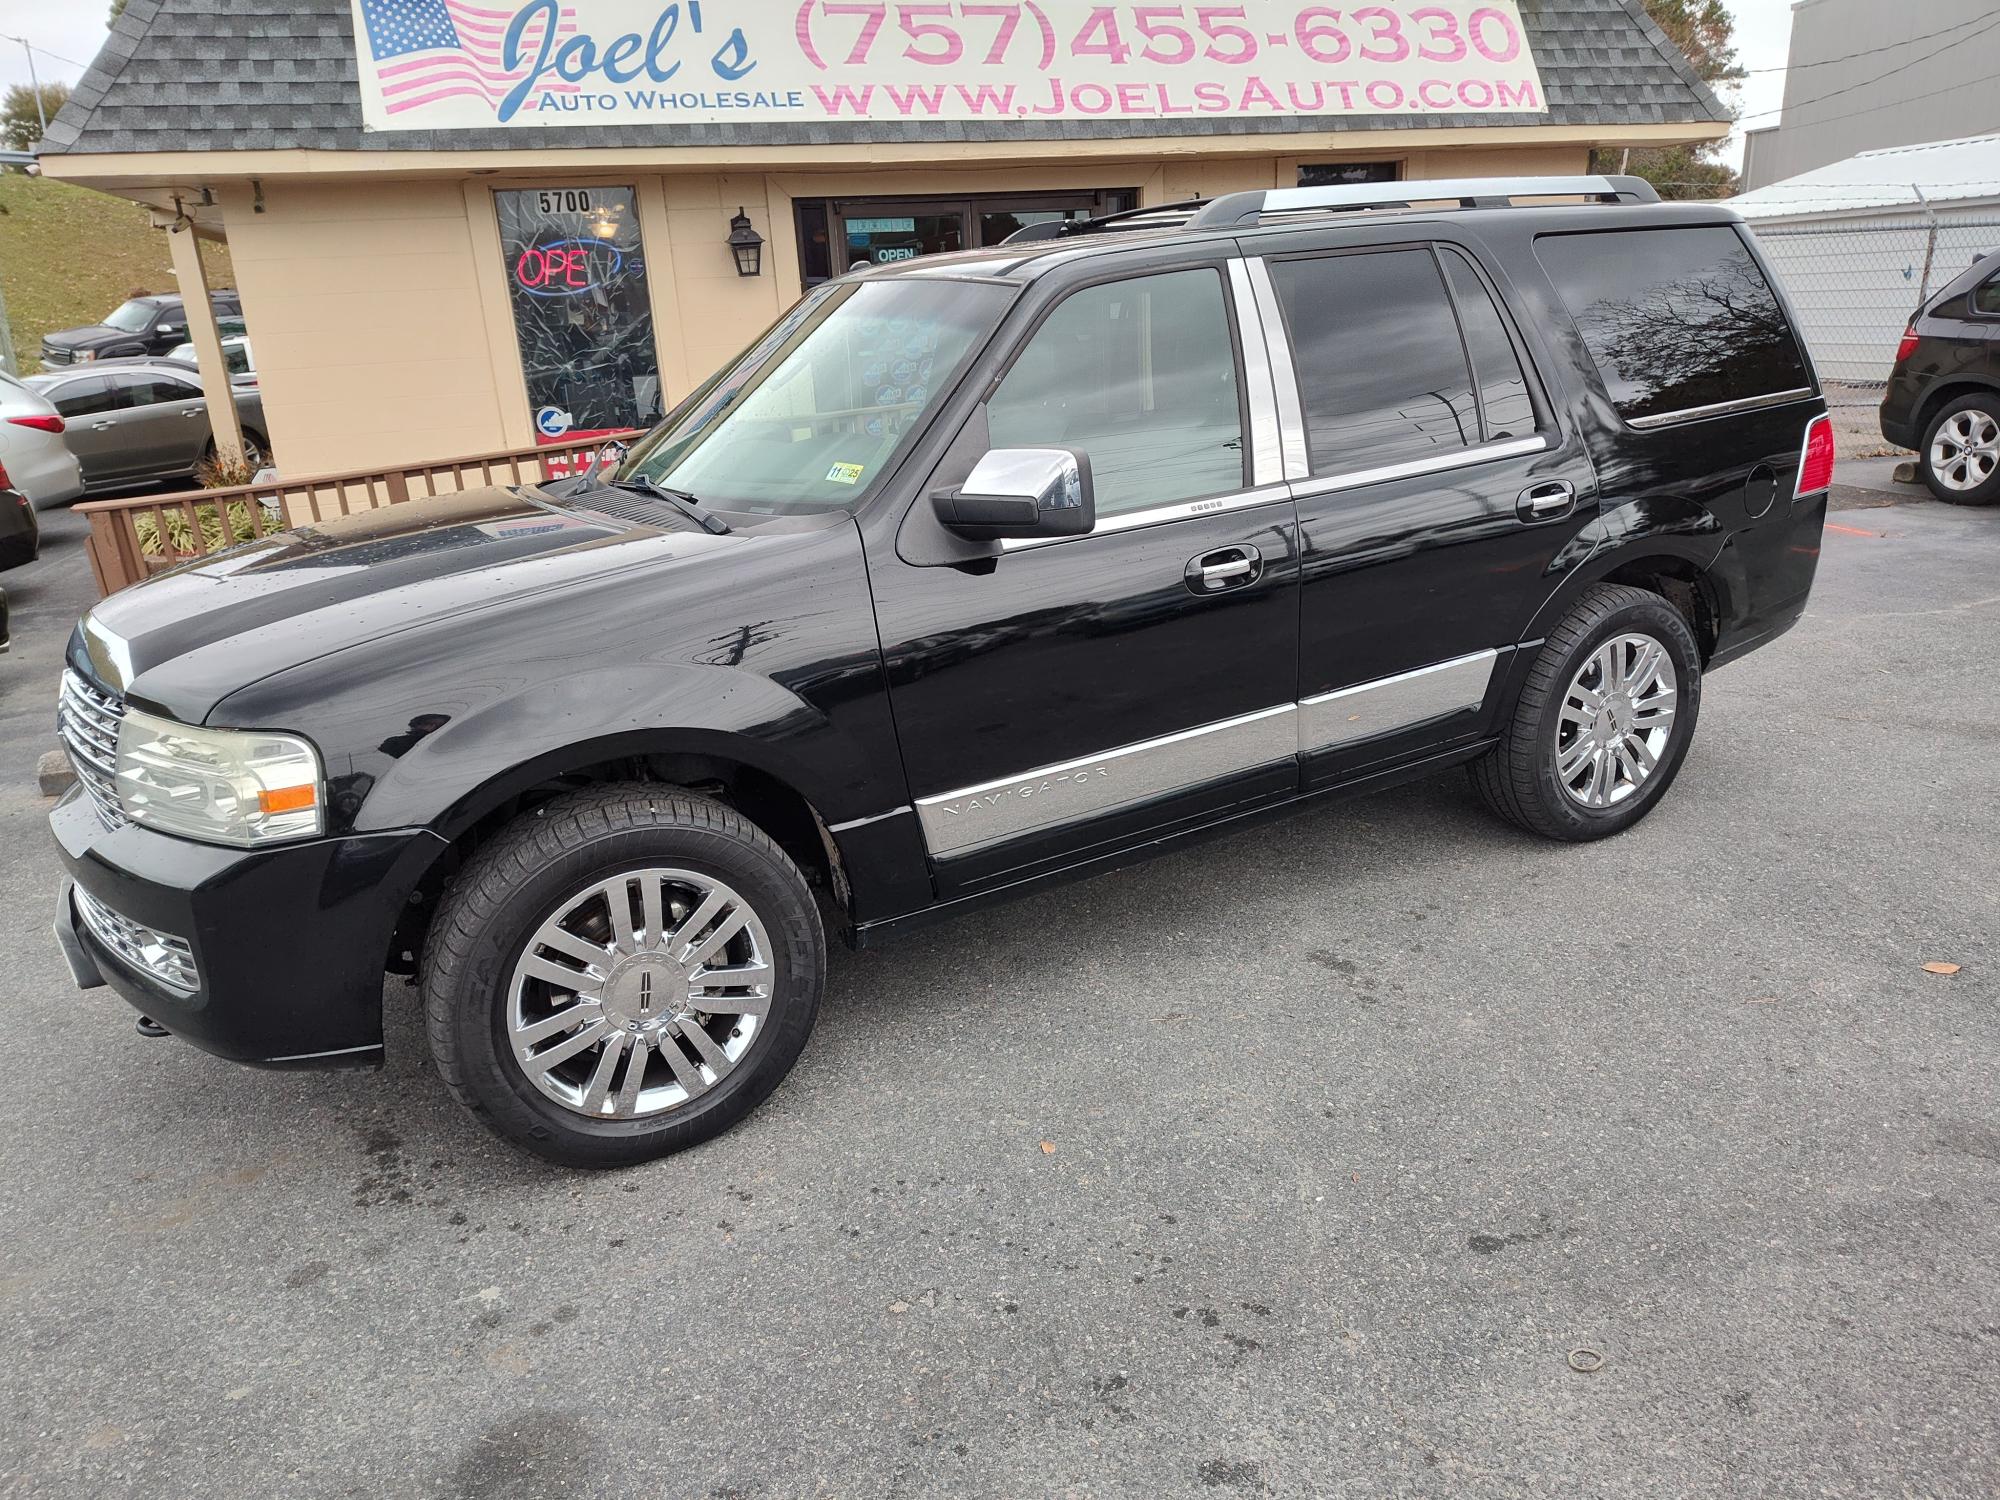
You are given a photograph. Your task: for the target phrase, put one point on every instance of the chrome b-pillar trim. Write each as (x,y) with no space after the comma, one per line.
(1391,703)
(1260,394)
(1284,374)
(992,812)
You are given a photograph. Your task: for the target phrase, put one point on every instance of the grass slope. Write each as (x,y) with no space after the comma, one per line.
(69,255)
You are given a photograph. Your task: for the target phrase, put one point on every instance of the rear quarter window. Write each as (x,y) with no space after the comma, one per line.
(1675,319)
(1986,299)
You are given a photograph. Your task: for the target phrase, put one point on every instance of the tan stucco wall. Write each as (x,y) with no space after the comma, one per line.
(379,314)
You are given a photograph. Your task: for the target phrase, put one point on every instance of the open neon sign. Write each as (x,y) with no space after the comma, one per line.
(567,268)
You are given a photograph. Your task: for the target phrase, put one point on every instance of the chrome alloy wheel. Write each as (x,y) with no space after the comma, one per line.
(640,993)
(1617,717)
(1965,450)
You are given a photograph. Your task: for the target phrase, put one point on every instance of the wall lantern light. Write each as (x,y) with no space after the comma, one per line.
(746,244)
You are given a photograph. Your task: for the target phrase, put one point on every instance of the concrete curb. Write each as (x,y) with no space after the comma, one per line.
(54,773)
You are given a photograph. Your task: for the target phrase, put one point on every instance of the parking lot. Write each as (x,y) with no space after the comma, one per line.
(1309,1161)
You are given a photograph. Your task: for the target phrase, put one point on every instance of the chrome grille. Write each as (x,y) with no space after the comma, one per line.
(161,955)
(88,721)
(51,355)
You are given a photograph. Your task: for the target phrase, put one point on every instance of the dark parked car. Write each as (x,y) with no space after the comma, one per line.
(20,528)
(1944,394)
(135,421)
(975,573)
(144,325)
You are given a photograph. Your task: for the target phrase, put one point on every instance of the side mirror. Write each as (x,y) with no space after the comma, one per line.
(1021,492)
(168,328)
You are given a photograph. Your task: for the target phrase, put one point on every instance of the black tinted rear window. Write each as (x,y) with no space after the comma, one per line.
(1676,319)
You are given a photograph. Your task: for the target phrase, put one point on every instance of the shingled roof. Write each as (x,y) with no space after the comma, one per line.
(266,75)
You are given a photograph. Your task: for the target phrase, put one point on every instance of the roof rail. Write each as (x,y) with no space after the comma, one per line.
(1239,210)
(1169,215)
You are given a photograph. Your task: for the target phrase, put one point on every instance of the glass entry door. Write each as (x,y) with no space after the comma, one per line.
(881,234)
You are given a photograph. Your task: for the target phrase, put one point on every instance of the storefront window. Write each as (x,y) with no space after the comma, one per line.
(576,279)
(1345,173)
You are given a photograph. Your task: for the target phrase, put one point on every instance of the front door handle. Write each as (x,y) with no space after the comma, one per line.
(1224,568)
(102,426)
(1545,502)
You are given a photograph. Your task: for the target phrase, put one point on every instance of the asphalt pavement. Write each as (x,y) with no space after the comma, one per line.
(1301,1163)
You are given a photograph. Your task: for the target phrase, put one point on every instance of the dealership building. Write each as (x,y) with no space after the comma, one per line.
(461,226)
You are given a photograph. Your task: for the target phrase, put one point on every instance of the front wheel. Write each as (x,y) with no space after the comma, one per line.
(1603,723)
(624,972)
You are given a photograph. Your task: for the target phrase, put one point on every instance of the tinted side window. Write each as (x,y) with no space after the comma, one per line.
(86,398)
(1382,371)
(1141,376)
(1504,402)
(150,390)
(1675,318)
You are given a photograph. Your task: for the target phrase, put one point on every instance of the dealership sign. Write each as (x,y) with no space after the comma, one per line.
(490,64)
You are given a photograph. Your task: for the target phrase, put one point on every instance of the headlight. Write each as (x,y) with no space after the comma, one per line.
(84,354)
(223,786)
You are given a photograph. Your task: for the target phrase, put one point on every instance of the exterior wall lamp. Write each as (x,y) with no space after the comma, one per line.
(746,244)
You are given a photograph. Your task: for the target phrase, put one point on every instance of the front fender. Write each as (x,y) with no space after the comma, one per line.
(450,778)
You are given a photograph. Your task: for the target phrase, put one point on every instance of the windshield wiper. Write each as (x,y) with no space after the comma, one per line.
(680,500)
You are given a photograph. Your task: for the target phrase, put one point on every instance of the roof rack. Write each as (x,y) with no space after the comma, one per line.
(1158,216)
(1238,210)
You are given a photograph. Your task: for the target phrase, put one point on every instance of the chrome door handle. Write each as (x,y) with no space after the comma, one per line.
(102,426)
(1224,568)
(1544,502)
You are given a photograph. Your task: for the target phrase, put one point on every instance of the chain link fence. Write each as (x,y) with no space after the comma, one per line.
(1857,274)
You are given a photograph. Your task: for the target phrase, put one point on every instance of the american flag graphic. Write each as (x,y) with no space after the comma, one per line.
(425,50)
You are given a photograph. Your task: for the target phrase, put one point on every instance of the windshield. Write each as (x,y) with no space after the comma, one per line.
(813,413)
(131,318)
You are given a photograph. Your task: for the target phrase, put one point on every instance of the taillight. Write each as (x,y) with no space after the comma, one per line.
(5,482)
(1816,458)
(1909,344)
(40,424)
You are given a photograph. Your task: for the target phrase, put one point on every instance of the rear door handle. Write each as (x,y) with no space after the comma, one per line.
(1224,568)
(102,426)
(1545,502)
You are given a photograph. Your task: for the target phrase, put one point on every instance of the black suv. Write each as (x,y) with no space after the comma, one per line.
(972,574)
(144,325)
(1944,394)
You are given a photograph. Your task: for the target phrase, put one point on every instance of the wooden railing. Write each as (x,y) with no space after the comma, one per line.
(134,537)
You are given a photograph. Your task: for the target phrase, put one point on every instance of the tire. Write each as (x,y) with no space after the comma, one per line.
(1522,778)
(494,921)
(256,450)
(1960,455)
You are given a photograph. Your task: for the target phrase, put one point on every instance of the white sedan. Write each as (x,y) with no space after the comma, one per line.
(31,446)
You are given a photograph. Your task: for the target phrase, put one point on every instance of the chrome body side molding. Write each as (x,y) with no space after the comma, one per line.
(994,811)
(1718,409)
(1456,458)
(1387,704)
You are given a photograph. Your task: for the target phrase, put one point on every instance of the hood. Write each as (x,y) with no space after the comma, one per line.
(84,338)
(183,640)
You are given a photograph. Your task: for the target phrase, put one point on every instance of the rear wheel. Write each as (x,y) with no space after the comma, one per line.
(1961,452)
(1603,723)
(621,974)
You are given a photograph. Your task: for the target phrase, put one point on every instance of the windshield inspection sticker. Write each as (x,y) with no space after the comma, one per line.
(844,474)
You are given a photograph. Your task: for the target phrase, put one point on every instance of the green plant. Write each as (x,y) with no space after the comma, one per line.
(213,518)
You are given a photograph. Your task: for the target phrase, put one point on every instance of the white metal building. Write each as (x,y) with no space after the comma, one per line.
(1861,243)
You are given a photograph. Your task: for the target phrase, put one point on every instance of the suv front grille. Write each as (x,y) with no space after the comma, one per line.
(51,355)
(88,722)
(160,955)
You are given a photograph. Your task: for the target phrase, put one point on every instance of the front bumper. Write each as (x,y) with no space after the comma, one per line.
(289,943)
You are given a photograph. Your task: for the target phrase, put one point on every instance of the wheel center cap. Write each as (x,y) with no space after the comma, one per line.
(644,991)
